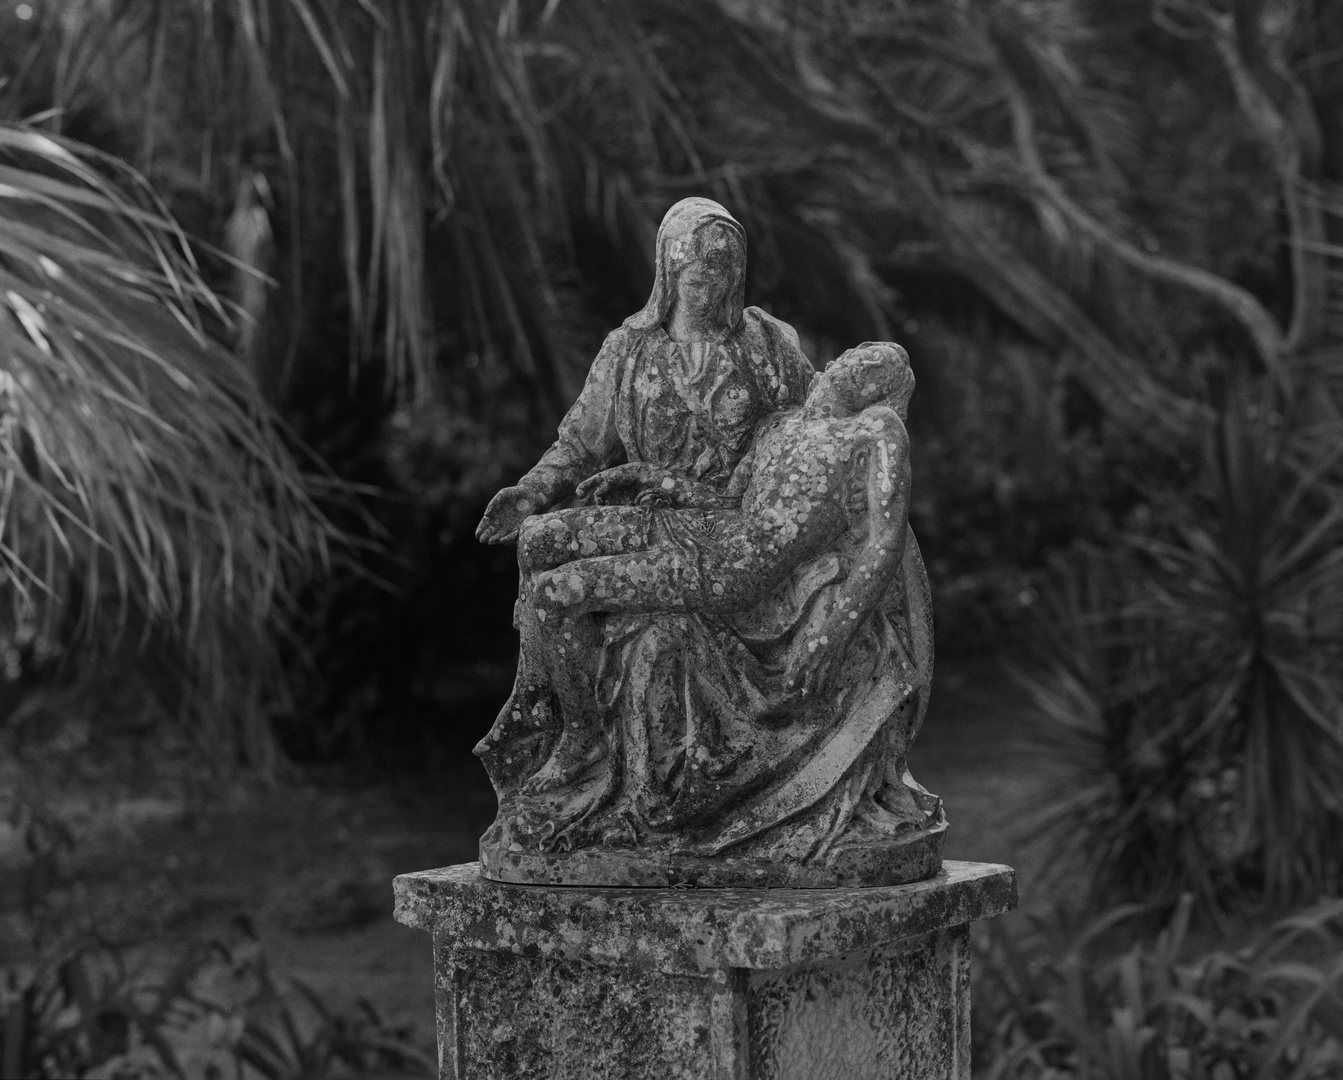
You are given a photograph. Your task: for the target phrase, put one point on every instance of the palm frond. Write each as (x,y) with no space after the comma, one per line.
(146,483)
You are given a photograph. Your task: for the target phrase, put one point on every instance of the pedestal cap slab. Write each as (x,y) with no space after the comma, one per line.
(694,930)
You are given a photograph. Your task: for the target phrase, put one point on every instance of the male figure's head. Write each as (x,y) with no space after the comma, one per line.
(874,373)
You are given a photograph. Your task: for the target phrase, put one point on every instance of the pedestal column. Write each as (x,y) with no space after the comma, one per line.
(596,983)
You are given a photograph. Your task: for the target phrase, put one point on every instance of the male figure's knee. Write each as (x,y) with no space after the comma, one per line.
(543,543)
(531,538)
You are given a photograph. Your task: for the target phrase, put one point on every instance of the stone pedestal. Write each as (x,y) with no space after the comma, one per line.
(570,983)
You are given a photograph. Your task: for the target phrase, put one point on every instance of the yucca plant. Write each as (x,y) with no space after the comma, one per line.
(148,494)
(1196,659)
(1194,675)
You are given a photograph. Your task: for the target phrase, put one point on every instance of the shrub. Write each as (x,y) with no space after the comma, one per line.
(1054,1004)
(1194,676)
(216,1013)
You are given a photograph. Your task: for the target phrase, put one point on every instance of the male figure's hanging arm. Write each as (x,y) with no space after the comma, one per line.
(877,564)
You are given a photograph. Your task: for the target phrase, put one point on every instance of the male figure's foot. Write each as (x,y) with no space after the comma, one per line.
(574,754)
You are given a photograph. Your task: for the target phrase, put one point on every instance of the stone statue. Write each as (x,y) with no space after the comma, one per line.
(727,646)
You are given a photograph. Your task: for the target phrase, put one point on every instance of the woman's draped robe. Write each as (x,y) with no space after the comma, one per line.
(688,408)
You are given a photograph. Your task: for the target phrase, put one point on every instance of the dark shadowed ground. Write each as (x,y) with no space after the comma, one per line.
(159,857)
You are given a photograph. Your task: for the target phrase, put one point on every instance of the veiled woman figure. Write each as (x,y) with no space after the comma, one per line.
(680,385)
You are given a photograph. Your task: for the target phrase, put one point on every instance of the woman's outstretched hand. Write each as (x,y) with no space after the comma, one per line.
(506,513)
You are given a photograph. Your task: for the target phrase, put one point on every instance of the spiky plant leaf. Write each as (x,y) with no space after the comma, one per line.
(1205,681)
(146,484)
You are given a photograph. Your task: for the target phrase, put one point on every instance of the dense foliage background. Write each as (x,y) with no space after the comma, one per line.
(245,467)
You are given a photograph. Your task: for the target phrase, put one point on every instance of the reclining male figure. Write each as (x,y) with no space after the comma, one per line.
(809,476)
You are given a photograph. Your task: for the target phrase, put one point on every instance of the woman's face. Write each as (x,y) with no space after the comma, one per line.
(704,272)
(700,287)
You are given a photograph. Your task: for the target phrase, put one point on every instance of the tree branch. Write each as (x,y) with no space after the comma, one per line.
(1291,148)
(1256,319)
(1130,396)
(1126,392)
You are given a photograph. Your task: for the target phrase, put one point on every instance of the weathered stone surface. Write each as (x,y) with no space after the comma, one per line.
(902,1010)
(898,861)
(695,929)
(726,645)
(550,1018)
(615,983)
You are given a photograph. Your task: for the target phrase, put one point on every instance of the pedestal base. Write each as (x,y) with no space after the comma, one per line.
(568,983)
(912,857)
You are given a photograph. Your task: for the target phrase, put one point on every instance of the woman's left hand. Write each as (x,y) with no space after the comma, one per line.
(622,484)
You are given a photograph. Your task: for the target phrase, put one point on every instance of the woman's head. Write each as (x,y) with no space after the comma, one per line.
(874,373)
(706,267)
(701,258)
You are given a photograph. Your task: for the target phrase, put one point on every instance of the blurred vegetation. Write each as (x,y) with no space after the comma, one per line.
(148,492)
(1112,1000)
(1108,232)
(216,1013)
(1193,674)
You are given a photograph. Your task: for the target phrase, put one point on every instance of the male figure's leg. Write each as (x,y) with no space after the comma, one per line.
(551,540)
(570,644)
